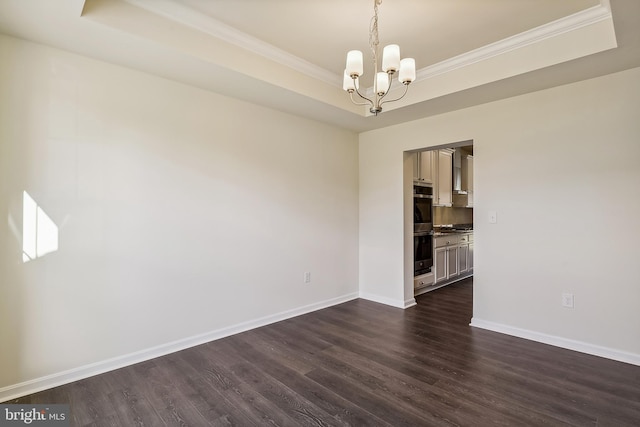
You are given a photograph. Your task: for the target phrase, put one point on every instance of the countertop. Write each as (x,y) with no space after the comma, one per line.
(444,229)
(444,233)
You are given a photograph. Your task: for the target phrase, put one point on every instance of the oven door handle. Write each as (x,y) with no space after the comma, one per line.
(423,233)
(422,196)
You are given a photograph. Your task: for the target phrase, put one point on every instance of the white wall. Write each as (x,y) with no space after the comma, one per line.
(180,212)
(562,169)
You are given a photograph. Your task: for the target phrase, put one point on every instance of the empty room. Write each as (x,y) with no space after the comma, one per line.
(374,212)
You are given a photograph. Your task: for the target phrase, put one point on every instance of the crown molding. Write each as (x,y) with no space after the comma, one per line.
(552,29)
(201,22)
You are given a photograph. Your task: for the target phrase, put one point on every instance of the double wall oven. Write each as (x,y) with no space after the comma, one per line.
(422,228)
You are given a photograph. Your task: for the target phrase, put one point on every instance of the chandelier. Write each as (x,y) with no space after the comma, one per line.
(391,63)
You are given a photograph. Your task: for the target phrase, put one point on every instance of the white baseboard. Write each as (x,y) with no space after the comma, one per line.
(410,302)
(60,378)
(583,347)
(388,301)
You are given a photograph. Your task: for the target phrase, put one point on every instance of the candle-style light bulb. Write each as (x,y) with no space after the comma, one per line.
(407,71)
(391,58)
(354,63)
(349,84)
(382,83)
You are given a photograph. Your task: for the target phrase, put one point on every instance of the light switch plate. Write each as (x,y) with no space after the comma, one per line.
(493,217)
(567,300)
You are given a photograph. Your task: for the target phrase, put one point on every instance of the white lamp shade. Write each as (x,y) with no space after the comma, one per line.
(407,70)
(354,63)
(348,83)
(391,58)
(382,83)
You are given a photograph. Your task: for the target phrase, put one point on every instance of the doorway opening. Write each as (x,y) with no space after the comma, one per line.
(438,231)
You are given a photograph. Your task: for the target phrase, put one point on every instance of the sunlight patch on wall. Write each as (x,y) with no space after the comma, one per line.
(39,232)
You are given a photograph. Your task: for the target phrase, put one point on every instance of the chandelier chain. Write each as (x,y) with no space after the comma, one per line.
(374,40)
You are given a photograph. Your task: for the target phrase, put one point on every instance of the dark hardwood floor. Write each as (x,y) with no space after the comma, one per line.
(360,364)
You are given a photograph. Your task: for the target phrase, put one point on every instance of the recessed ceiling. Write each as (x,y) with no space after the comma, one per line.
(431,31)
(289,54)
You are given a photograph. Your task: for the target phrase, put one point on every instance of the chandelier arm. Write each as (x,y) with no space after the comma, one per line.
(406,88)
(360,103)
(361,96)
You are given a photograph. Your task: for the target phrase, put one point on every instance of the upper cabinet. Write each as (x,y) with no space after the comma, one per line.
(467,177)
(423,167)
(443,195)
(441,168)
(435,167)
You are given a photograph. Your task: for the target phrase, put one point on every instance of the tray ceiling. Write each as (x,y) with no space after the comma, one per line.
(289,54)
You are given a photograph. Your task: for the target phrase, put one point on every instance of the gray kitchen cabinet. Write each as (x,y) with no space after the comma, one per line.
(446,258)
(463,258)
(440,265)
(423,166)
(452,262)
(423,281)
(436,167)
(415,158)
(467,178)
(463,254)
(443,194)
(452,257)
(470,253)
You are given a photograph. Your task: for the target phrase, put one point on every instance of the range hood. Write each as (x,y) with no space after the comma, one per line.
(457,172)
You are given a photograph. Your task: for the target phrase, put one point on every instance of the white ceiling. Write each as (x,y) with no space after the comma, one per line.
(289,54)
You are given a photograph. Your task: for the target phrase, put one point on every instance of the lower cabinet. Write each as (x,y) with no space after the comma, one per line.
(463,258)
(465,253)
(452,261)
(446,263)
(440,264)
(453,257)
(423,281)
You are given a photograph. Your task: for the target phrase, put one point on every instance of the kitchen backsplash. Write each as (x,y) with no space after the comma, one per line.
(443,215)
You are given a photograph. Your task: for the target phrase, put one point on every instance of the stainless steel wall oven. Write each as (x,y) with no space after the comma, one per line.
(422,228)
(422,207)
(422,252)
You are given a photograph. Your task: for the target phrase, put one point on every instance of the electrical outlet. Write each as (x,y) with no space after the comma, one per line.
(567,300)
(307,277)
